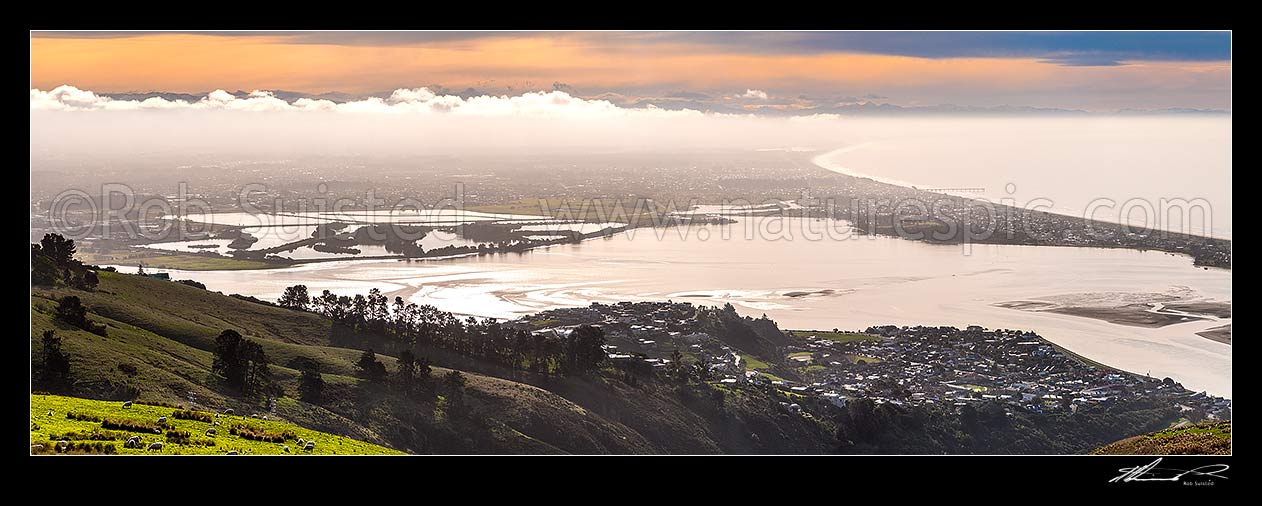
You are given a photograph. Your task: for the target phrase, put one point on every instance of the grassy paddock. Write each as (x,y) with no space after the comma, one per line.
(770,376)
(183,436)
(753,364)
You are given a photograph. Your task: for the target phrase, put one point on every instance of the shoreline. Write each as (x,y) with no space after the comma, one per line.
(275,264)
(818,161)
(1221,334)
(1149,315)
(1134,315)
(490,295)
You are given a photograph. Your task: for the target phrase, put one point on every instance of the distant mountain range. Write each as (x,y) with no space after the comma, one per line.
(700,102)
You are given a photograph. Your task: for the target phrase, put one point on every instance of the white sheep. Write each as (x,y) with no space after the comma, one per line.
(285,449)
(302,441)
(310,446)
(162,420)
(232,452)
(39,447)
(62,444)
(50,412)
(229,411)
(210,431)
(127,404)
(156,445)
(216,422)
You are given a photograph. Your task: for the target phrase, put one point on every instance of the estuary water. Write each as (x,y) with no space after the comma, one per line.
(806,274)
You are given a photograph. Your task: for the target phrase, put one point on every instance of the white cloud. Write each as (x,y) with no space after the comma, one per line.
(755,94)
(816,117)
(416,101)
(68,121)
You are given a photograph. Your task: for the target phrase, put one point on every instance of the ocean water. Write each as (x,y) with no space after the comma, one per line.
(1108,167)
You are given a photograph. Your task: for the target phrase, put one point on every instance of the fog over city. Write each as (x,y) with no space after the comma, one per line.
(410,121)
(1043,156)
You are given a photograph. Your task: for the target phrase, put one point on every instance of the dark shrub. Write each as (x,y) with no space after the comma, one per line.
(134,425)
(188,414)
(179,436)
(128,369)
(97,328)
(77,447)
(161,404)
(252,299)
(191,283)
(260,434)
(95,435)
(72,415)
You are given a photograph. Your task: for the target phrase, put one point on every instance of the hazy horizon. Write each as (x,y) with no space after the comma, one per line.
(1069,160)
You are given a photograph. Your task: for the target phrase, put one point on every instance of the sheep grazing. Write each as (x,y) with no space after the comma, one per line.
(229,411)
(39,447)
(63,444)
(162,420)
(285,449)
(156,445)
(132,442)
(216,422)
(210,431)
(310,446)
(127,404)
(302,441)
(157,431)
(232,452)
(50,412)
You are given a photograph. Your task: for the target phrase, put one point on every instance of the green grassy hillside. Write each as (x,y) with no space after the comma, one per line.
(159,347)
(1206,438)
(55,418)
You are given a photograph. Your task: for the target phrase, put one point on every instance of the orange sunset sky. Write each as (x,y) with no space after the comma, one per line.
(1091,71)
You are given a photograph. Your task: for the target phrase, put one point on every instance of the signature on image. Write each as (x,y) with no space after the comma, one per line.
(1151,472)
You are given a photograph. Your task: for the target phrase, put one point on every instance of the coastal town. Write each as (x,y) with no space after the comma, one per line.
(578,241)
(886,364)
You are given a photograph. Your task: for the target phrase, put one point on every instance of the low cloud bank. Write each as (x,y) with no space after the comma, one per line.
(554,103)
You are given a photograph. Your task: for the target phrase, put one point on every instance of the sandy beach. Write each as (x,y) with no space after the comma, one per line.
(1221,334)
(1135,315)
(1147,310)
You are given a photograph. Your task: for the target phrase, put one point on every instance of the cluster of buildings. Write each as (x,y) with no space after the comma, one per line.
(898,365)
(927,365)
(649,331)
